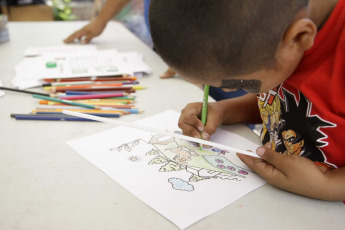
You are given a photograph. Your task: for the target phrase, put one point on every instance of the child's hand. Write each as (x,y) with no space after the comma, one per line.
(85,34)
(297,174)
(191,124)
(169,73)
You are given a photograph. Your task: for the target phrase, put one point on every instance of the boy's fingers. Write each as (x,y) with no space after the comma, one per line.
(69,39)
(261,167)
(190,125)
(191,131)
(87,39)
(211,126)
(190,115)
(169,73)
(76,35)
(189,121)
(250,161)
(279,161)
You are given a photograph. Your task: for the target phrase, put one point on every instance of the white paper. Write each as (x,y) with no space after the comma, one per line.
(100,63)
(75,61)
(173,176)
(59,50)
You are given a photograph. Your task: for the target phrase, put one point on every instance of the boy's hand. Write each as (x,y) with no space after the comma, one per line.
(296,174)
(169,73)
(191,124)
(85,34)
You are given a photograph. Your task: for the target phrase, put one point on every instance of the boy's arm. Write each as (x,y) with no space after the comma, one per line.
(242,109)
(298,174)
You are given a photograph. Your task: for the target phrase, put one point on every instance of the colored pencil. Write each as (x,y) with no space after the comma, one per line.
(71,93)
(70,83)
(105,90)
(78,97)
(114,115)
(107,101)
(48,117)
(205,106)
(118,98)
(23,91)
(76,87)
(111,99)
(63,101)
(77,109)
(100,78)
(163,132)
(130,110)
(95,88)
(111,107)
(86,102)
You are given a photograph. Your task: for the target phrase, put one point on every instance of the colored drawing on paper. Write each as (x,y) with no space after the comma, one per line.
(174,155)
(172,175)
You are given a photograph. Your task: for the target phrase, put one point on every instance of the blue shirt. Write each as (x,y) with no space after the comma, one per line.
(146,13)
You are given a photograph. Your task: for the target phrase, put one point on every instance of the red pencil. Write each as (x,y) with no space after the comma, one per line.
(93,96)
(77,87)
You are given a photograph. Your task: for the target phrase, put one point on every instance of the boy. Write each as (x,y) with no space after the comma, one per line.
(295,76)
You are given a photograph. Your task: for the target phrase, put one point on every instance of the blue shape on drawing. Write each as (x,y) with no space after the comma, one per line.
(179,184)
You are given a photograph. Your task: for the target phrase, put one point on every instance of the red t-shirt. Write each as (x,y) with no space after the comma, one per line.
(305,115)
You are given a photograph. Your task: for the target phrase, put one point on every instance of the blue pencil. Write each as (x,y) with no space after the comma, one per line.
(94,114)
(127,110)
(48,117)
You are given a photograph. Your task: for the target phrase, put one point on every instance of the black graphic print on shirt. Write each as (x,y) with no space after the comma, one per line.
(290,127)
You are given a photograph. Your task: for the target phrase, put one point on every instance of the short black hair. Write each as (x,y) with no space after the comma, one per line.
(223,37)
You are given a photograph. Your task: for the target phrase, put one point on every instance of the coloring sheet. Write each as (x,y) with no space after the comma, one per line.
(171,175)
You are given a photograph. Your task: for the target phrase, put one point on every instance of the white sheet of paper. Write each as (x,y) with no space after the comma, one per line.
(174,177)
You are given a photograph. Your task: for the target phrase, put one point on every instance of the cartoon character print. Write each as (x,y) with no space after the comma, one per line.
(290,127)
(292,142)
(269,106)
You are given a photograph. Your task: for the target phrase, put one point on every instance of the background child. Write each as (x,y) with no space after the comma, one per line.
(295,76)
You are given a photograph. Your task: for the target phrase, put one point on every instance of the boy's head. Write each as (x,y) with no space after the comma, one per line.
(232,43)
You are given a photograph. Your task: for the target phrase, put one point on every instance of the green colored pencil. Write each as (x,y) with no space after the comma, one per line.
(204,106)
(68,102)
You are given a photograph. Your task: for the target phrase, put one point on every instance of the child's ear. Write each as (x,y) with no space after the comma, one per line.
(300,34)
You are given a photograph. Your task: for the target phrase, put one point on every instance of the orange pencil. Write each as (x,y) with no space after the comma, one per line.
(76,87)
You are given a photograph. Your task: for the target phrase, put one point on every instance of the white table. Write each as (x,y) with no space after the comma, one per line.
(46,185)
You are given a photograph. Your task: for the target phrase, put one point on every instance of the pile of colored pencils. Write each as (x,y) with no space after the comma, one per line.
(101,96)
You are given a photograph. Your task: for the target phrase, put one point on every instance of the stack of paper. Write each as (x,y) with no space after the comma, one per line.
(75,61)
